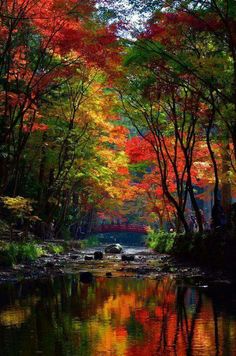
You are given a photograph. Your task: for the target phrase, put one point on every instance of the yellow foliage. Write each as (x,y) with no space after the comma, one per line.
(18,205)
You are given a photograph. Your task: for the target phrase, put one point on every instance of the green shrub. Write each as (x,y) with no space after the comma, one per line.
(53,248)
(161,241)
(29,252)
(91,241)
(211,248)
(12,253)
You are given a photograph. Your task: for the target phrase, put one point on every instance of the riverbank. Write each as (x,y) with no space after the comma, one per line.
(144,263)
(213,249)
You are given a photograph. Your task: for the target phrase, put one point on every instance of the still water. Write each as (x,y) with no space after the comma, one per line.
(116,317)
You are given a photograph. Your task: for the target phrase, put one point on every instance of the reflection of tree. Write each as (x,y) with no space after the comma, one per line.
(181,315)
(185,325)
(215,317)
(191,327)
(166,313)
(126,316)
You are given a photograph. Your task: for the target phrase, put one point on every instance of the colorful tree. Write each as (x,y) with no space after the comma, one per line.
(173,93)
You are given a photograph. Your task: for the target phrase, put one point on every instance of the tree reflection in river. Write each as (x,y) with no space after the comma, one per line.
(116,317)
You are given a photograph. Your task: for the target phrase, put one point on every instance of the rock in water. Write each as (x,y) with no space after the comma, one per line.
(86,277)
(74,257)
(88,258)
(114,248)
(127,257)
(98,255)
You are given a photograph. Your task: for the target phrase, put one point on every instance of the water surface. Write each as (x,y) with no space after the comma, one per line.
(116,317)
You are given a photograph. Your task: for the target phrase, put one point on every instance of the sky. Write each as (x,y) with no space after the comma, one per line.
(132,19)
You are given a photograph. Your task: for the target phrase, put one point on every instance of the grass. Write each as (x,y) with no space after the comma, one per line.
(13,252)
(55,249)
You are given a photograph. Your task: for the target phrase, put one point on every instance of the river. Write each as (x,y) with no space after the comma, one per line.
(130,314)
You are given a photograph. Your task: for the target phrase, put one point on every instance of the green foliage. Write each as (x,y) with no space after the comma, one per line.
(142,53)
(91,241)
(139,169)
(161,241)
(53,248)
(11,253)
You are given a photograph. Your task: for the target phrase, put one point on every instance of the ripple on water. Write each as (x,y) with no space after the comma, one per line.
(118,317)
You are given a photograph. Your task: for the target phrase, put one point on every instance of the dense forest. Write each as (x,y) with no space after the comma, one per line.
(106,120)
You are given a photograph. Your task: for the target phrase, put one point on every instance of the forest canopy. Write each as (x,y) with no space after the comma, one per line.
(118,113)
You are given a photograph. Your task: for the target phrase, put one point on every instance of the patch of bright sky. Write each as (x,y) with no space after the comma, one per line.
(133,20)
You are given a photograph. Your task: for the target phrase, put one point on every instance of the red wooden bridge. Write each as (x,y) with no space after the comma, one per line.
(103,228)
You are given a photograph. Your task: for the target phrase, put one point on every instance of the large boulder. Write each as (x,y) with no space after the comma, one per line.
(114,248)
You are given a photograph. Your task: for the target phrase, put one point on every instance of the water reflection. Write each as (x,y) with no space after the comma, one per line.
(116,317)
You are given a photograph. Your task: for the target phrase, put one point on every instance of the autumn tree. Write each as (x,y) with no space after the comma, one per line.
(56,61)
(174,96)
(38,56)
